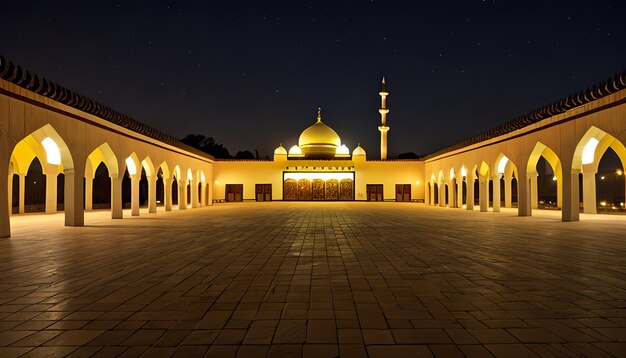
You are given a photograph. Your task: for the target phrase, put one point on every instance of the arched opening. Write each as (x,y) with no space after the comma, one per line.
(143,188)
(126,190)
(436,194)
(175,191)
(464,191)
(610,185)
(160,188)
(476,187)
(514,192)
(101,194)
(547,191)
(446,195)
(35,188)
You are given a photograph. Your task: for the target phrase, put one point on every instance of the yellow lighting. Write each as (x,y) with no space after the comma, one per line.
(602,177)
(619,172)
(554,178)
(502,165)
(463,172)
(589,150)
(451,173)
(189,175)
(130,165)
(621,204)
(217,182)
(603,203)
(417,182)
(295,151)
(53,154)
(342,151)
(324,176)
(202,176)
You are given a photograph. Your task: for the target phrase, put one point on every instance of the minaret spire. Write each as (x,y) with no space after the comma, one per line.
(383,128)
(319,114)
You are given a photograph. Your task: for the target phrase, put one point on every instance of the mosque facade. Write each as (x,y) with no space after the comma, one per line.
(321,168)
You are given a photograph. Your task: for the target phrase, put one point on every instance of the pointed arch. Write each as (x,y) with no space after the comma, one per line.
(592,146)
(103,154)
(148,166)
(132,163)
(541,150)
(176,172)
(165,170)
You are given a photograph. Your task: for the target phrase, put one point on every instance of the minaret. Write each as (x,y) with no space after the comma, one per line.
(383,128)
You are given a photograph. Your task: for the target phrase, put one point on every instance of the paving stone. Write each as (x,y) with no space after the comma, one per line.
(291,279)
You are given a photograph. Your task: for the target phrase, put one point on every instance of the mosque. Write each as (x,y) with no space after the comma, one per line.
(320,167)
(84,151)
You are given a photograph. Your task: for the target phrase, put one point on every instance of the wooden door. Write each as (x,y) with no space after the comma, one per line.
(332,189)
(304,189)
(290,189)
(374,192)
(346,189)
(317,189)
(234,192)
(263,192)
(403,192)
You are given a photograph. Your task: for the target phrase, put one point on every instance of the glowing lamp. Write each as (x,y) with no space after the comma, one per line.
(619,172)
(554,178)
(53,154)
(130,165)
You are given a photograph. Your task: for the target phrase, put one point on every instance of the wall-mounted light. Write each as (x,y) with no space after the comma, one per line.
(217,182)
(554,178)
(53,154)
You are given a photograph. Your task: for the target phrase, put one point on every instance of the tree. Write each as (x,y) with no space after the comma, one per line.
(246,154)
(207,145)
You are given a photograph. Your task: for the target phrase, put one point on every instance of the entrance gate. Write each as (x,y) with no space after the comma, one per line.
(374,192)
(403,192)
(263,192)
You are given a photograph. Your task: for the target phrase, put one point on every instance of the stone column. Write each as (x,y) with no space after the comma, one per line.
(431,199)
(451,196)
(442,195)
(559,193)
(203,194)
(5,221)
(483,193)
(508,191)
(10,193)
(182,194)
(134,194)
(470,192)
(570,197)
(116,197)
(589,193)
(74,199)
(194,194)
(22,192)
(88,193)
(167,193)
(496,192)
(152,205)
(534,193)
(51,191)
(524,201)
(459,193)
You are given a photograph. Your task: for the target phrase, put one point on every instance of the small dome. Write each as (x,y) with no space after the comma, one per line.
(295,150)
(358,151)
(342,151)
(280,150)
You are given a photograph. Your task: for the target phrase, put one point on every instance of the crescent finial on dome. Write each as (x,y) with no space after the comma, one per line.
(319,114)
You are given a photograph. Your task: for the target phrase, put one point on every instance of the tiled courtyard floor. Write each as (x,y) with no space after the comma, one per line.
(314,280)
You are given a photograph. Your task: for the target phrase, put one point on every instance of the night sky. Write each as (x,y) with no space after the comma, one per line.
(252,75)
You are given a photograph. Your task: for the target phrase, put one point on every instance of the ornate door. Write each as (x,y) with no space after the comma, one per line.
(290,190)
(346,189)
(317,189)
(332,189)
(403,192)
(304,189)
(263,192)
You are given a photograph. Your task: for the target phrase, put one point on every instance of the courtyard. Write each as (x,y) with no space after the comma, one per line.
(280,279)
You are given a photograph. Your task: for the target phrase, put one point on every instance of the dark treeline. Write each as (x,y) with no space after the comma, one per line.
(211,146)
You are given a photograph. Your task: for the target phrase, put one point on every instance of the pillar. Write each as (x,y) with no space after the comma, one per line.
(152,205)
(22,192)
(451,196)
(496,192)
(534,192)
(51,191)
(559,193)
(524,187)
(167,193)
(5,221)
(483,193)
(88,193)
(182,194)
(570,198)
(116,197)
(589,193)
(203,195)
(10,193)
(459,193)
(431,199)
(442,194)
(134,194)
(74,199)
(508,192)
(470,193)
(194,194)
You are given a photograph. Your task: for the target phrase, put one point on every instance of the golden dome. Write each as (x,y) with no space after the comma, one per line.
(319,139)
(358,150)
(280,150)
